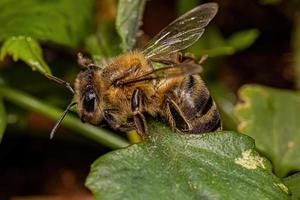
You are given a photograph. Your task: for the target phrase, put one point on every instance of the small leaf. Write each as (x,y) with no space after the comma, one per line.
(293,183)
(271,117)
(129,20)
(3,118)
(220,165)
(243,39)
(214,44)
(26,49)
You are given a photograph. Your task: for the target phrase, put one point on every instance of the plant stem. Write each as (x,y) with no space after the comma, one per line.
(97,134)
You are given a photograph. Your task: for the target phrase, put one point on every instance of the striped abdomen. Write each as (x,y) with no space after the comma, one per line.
(190,108)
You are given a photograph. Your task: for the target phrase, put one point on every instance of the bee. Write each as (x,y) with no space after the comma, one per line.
(126,88)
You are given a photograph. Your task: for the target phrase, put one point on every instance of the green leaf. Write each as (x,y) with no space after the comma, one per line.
(28,50)
(129,20)
(3,118)
(220,165)
(271,117)
(103,44)
(64,22)
(183,6)
(293,183)
(214,44)
(243,39)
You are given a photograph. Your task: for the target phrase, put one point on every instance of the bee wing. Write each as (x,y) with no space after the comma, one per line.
(182,32)
(165,72)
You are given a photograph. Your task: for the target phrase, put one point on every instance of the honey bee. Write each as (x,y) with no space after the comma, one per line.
(125,88)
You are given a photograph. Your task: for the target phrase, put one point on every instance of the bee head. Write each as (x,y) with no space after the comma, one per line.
(88,96)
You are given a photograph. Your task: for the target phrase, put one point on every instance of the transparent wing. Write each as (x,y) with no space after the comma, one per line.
(182,32)
(165,73)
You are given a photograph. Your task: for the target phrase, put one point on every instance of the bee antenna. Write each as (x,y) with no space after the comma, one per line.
(57,124)
(85,62)
(60,81)
(202,59)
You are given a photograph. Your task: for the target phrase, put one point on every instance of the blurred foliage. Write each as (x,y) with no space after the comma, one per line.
(3,118)
(220,165)
(296,48)
(105,41)
(25,23)
(225,99)
(214,44)
(267,2)
(64,22)
(183,6)
(271,117)
(129,20)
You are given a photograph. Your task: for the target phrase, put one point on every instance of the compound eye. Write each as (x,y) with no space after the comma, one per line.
(89,100)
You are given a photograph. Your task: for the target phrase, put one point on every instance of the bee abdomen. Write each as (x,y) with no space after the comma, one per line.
(208,122)
(197,106)
(195,99)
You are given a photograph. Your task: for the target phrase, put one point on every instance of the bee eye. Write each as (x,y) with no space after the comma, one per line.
(89,99)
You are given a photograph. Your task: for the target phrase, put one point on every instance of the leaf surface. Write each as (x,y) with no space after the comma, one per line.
(271,117)
(24,24)
(220,165)
(63,22)
(293,183)
(129,20)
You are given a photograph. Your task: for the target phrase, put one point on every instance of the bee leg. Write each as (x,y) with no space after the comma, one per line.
(176,117)
(138,117)
(110,119)
(127,127)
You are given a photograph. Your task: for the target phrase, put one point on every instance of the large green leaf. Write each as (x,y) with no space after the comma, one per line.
(25,23)
(63,22)
(293,183)
(26,49)
(129,20)
(220,165)
(271,117)
(3,118)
